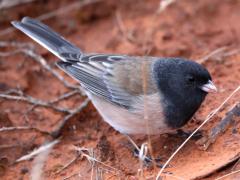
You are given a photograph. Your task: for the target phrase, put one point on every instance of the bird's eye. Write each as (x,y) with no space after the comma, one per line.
(191,79)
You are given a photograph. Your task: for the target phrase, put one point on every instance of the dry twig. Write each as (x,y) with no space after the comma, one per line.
(218,54)
(194,132)
(35,102)
(5,129)
(89,154)
(65,96)
(39,161)
(72,175)
(57,132)
(212,54)
(38,150)
(68,164)
(16,44)
(28,49)
(45,65)
(220,127)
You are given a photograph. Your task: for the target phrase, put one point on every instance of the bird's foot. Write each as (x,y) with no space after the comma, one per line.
(146,159)
(143,155)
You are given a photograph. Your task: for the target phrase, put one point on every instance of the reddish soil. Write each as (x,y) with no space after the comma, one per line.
(190,29)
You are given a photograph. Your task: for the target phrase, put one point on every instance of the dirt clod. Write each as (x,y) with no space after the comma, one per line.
(105,149)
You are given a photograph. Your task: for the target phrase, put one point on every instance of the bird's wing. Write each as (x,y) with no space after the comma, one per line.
(49,39)
(115,78)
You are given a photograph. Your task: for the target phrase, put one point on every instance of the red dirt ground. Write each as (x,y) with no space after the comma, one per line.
(190,29)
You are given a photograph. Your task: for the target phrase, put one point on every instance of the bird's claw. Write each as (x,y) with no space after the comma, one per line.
(147,160)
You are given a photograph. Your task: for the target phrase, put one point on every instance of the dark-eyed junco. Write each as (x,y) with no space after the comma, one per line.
(174,88)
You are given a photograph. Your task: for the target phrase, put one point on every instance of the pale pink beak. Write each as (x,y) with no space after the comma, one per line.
(209,87)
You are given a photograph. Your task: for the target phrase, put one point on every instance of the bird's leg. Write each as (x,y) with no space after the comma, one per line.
(132,142)
(142,153)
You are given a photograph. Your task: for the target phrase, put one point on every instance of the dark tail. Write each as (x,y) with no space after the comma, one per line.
(47,38)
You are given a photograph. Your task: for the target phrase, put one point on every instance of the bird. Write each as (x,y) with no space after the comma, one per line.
(128,90)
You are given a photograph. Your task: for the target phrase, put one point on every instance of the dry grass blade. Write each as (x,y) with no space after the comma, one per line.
(4,4)
(204,122)
(219,54)
(229,174)
(72,175)
(68,164)
(91,158)
(146,116)
(38,163)
(211,54)
(39,150)
(88,153)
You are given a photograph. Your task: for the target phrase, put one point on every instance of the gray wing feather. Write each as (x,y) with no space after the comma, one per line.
(48,38)
(94,73)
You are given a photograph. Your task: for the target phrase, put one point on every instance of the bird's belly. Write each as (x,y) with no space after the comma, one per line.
(131,122)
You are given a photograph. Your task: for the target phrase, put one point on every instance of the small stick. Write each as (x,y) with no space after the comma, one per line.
(4,129)
(39,162)
(16,44)
(44,64)
(218,53)
(204,122)
(35,102)
(68,164)
(72,175)
(91,158)
(211,54)
(28,49)
(38,150)
(220,127)
(56,133)
(65,96)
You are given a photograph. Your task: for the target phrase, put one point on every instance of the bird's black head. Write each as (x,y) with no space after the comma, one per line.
(183,85)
